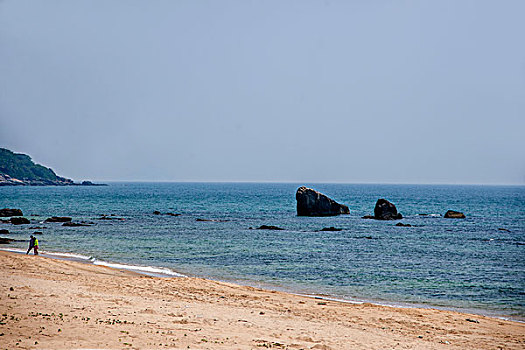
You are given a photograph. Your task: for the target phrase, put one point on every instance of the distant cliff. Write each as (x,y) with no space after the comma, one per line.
(19,170)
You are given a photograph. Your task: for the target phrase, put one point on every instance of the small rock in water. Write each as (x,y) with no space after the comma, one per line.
(331,228)
(75,224)
(400,224)
(173,214)
(3,231)
(503,229)
(19,220)
(37,232)
(269,227)
(368,217)
(451,214)
(58,219)
(7,212)
(384,210)
(156,212)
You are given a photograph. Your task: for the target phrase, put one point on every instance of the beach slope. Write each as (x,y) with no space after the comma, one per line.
(55,304)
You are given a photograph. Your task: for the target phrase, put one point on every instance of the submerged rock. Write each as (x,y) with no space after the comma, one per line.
(400,224)
(384,210)
(269,227)
(6,240)
(19,220)
(172,214)
(368,217)
(331,228)
(58,219)
(7,212)
(313,203)
(75,224)
(4,231)
(156,212)
(451,214)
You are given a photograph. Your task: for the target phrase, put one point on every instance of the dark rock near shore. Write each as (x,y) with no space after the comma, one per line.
(6,240)
(19,220)
(38,232)
(172,214)
(75,224)
(313,203)
(368,217)
(156,212)
(331,228)
(7,212)
(58,219)
(4,232)
(451,214)
(400,224)
(269,227)
(384,210)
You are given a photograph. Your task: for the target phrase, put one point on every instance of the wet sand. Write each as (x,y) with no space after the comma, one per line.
(55,304)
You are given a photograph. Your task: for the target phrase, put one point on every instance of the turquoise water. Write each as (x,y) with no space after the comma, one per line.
(468,265)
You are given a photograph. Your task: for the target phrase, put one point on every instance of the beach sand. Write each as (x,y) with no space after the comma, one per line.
(55,304)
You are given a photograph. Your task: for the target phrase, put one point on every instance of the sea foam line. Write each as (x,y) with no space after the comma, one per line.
(146,270)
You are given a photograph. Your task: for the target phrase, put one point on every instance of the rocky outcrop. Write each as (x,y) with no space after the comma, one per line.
(313,203)
(451,214)
(58,219)
(384,210)
(7,212)
(17,220)
(17,169)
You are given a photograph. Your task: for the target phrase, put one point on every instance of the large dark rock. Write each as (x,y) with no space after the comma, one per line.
(313,203)
(58,219)
(4,232)
(451,214)
(19,221)
(7,212)
(384,210)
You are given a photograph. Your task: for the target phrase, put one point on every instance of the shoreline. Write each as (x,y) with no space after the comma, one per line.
(162,272)
(55,303)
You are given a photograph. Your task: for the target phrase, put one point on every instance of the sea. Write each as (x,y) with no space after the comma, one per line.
(475,265)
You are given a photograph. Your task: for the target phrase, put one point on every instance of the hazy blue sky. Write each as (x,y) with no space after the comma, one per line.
(301,91)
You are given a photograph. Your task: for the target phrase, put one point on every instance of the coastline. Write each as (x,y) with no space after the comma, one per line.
(163,272)
(67,304)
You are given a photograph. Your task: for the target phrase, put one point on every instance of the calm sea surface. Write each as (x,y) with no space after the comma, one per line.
(467,265)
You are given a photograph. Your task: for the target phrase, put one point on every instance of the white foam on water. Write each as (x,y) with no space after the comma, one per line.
(68,255)
(149,270)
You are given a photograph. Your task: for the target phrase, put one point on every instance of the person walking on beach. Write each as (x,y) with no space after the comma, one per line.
(33,244)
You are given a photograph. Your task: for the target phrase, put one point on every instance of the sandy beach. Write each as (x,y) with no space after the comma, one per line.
(55,304)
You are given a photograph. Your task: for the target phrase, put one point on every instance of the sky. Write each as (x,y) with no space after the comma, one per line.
(270,91)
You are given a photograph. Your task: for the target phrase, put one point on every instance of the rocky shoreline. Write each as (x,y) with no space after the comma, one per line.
(6,180)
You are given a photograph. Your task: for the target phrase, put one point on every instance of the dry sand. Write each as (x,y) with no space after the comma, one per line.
(54,304)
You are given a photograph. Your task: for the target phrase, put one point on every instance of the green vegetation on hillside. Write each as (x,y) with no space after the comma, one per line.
(20,166)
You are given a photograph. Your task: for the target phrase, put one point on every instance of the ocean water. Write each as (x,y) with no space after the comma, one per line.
(467,265)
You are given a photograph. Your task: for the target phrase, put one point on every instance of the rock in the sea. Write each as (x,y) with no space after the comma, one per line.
(368,217)
(313,203)
(6,240)
(451,214)
(269,227)
(4,232)
(58,219)
(7,212)
(400,224)
(384,210)
(19,220)
(331,228)
(38,232)
(156,212)
(75,224)
(172,214)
